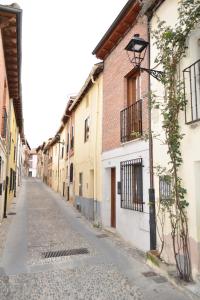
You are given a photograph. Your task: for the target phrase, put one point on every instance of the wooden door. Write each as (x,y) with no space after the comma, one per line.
(131,90)
(113,197)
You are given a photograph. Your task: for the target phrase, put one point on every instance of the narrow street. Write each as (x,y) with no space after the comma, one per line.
(109,268)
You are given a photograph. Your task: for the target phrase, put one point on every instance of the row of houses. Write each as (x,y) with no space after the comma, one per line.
(12,141)
(99,159)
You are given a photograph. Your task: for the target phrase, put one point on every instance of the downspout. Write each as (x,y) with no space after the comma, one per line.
(152,210)
(95,148)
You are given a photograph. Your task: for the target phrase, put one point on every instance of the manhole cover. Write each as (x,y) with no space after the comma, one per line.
(11,213)
(65,252)
(149,274)
(159,279)
(103,235)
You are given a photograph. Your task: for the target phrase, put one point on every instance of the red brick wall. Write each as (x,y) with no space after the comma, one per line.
(116,67)
(4,95)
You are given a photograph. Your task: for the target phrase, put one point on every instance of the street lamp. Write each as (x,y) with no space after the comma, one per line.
(138,46)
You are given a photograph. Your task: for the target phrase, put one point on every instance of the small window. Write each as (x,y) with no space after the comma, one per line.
(132,185)
(80,184)
(165,188)
(87,130)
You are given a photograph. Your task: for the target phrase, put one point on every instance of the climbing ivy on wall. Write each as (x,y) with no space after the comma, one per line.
(171,42)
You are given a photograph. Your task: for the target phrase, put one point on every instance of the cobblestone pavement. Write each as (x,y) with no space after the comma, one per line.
(45,222)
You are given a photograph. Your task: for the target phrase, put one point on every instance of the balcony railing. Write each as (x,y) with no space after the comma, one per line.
(191,77)
(131,122)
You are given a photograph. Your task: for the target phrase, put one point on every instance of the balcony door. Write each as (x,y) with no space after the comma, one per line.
(133,106)
(133,89)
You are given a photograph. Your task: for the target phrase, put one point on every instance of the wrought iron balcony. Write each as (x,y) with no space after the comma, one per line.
(131,122)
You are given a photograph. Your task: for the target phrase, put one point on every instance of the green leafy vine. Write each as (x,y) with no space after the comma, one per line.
(171,44)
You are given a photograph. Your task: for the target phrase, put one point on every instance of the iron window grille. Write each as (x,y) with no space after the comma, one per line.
(191,76)
(132,185)
(165,188)
(131,122)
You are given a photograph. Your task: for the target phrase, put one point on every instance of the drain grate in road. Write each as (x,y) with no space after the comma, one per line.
(149,274)
(103,235)
(68,252)
(160,279)
(11,213)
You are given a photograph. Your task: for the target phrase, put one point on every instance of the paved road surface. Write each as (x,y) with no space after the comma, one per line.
(45,222)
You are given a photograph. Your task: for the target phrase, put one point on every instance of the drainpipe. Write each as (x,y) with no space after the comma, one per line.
(95,154)
(152,210)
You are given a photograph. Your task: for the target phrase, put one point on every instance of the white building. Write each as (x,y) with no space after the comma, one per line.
(33,163)
(189,121)
(125,155)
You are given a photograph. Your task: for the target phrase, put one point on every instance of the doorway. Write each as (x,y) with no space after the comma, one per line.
(113,197)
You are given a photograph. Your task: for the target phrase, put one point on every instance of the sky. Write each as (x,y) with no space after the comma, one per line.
(58,38)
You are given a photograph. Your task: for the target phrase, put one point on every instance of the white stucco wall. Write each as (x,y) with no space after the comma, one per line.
(132,225)
(190,145)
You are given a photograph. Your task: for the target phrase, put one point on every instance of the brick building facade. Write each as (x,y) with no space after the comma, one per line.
(125,155)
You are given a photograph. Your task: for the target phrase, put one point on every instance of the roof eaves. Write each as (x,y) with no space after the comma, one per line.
(96,70)
(114,24)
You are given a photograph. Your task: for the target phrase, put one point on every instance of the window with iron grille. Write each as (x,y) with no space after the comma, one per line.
(132,184)
(191,77)
(165,188)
